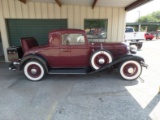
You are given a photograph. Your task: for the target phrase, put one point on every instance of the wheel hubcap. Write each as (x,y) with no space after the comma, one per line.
(101,61)
(33,71)
(130,70)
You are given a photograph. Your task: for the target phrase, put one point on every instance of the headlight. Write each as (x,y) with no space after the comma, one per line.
(128,46)
(133,49)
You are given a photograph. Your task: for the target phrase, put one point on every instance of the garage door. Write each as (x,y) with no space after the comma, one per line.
(37,28)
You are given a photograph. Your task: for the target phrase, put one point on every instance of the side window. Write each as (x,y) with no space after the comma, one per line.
(73,39)
(54,40)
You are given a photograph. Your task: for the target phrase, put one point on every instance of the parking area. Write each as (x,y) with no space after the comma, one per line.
(100,96)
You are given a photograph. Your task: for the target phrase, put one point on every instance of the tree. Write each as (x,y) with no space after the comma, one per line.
(153,17)
(156,15)
(147,18)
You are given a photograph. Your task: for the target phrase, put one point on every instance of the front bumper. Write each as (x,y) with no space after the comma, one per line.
(144,64)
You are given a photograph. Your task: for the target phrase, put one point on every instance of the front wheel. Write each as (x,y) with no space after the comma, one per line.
(130,70)
(34,70)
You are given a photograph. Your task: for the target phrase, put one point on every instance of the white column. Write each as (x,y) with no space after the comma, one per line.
(4,35)
(139,27)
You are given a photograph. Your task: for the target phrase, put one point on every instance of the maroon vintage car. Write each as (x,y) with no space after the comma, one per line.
(69,52)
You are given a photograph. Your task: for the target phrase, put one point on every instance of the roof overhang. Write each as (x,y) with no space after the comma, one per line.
(144,24)
(23,1)
(127,4)
(136,4)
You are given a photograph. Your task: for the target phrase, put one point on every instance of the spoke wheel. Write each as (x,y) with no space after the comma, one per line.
(100,59)
(130,70)
(34,70)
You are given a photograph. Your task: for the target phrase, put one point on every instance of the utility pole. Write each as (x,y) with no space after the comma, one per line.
(139,26)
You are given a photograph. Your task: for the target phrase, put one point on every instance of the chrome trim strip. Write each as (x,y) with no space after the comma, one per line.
(16,63)
(68,73)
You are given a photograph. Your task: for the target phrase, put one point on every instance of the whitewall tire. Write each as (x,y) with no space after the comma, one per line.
(100,59)
(34,70)
(130,70)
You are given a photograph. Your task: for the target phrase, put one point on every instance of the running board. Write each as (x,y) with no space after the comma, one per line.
(70,71)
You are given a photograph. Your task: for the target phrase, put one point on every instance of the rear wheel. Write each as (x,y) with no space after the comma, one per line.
(130,70)
(34,70)
(100,58)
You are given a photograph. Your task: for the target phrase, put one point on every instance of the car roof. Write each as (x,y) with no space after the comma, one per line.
(67,30)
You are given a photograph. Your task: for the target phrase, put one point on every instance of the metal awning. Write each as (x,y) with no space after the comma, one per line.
(144,24)
(127,4)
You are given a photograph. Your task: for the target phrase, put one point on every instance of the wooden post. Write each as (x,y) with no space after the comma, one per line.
(23,1)
(59,3)
(94,4)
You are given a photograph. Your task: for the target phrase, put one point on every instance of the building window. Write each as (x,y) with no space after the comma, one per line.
(73,39)
(96,29)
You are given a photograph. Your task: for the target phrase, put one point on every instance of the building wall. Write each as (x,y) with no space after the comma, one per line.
(74,13)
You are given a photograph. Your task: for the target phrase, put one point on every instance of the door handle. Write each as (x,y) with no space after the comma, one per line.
(64,50)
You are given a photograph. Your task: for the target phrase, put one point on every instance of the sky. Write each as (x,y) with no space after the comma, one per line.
(148,8)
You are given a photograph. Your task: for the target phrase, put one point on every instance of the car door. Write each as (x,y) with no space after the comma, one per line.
(52,52)
(74,50)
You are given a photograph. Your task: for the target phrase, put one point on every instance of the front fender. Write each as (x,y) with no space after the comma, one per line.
(128,57)
(122,59)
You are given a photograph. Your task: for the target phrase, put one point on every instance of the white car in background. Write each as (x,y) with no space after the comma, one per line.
(134,38)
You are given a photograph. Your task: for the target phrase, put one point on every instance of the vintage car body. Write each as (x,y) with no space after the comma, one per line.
(69,52)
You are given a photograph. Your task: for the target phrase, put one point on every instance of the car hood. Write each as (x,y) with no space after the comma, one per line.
(105,45)
(116,49)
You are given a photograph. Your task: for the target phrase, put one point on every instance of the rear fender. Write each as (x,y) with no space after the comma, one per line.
(34,57)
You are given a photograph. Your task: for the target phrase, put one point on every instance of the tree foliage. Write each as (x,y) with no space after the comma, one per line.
(153,17)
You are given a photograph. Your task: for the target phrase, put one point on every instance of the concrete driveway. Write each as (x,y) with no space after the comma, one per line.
(101,96)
